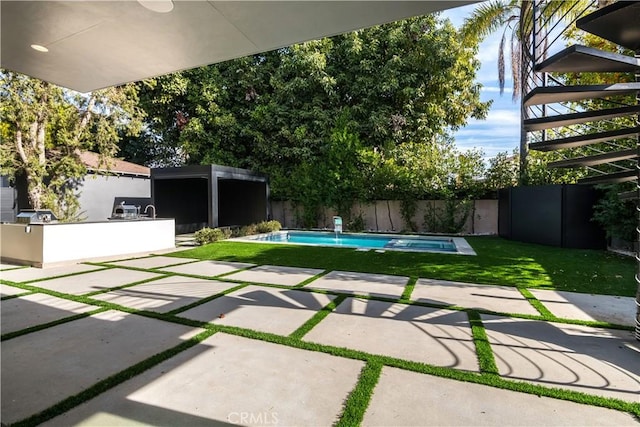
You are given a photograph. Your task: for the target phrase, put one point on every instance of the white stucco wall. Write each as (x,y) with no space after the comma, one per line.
(98,192)
(53,244)
(21,243)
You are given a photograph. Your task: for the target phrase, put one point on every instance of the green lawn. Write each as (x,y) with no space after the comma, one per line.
(499,261)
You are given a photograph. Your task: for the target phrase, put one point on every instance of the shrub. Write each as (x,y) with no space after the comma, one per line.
(357,223)
(210,235)
(267,226)
(451,218)
(615,215)
(247,230)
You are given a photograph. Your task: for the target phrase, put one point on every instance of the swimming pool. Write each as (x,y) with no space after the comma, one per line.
(393,242)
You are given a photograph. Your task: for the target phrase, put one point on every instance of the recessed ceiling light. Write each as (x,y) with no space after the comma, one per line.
(39,48)
(160,6)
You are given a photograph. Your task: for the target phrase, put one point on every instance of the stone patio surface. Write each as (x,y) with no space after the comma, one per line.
(598,361)
(573,305)
(486,297)
(30,273)
(229,380)
(95,281)
(153,262)
(361,283)
(233,380)
(208,268)
(423,334)
(403,398)
(275,275)
(8,266)
(44,367)
(279,311)
(165,294)
(36,309)
(6,290)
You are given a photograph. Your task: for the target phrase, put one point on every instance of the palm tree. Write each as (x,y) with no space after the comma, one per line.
(515,18)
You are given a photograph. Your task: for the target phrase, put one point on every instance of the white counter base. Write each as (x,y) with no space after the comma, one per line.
(48,245)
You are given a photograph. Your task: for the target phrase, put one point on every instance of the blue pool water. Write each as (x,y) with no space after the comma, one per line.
(363,241)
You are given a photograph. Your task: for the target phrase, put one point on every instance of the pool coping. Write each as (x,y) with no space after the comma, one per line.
(462,246)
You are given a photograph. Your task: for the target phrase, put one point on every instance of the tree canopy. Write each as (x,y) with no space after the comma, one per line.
(404,84)
(44,129)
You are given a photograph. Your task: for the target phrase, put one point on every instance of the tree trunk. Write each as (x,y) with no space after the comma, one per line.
(31,149)
(35,190)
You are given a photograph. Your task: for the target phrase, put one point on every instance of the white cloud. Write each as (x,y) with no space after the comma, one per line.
(496,89)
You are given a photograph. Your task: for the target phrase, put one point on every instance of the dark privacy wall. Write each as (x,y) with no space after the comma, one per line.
(184,199)
(554,215)
(241,202)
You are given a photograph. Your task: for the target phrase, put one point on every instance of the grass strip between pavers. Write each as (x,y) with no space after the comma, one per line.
(126,285)
(112,263)
(311,279)
(535,302)
(23,294)
(317,318)
(358,401)
(36,328)
(229,273)
(408,289)
(206,299)
(77,273)
(110,382)
(486,360)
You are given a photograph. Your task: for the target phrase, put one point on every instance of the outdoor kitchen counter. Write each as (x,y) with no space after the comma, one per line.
(56,243)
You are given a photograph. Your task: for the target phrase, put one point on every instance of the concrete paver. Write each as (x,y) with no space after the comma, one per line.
(153,262)
(434,336)
(275,275)
(42,368)
(604,308)
(6,290)
(31,273)
(487,297)
(208,268)
(403,398)
(591,360)
(361,283)
(165,294)
(8,266)
(279,311)
(95,281)
(36,309)
(227,380)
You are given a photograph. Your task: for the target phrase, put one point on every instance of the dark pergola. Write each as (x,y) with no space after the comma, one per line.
(210,196)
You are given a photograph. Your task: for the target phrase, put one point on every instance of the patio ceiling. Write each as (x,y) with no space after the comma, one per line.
(96,44)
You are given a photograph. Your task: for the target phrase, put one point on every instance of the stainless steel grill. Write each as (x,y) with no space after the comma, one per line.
(123,211)
(31,216)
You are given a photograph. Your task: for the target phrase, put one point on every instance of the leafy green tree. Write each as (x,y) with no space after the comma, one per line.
(615,215)
(45,129)
(405,82)
(502,171)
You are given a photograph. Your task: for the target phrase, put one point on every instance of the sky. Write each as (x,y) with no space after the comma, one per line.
(500,131)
